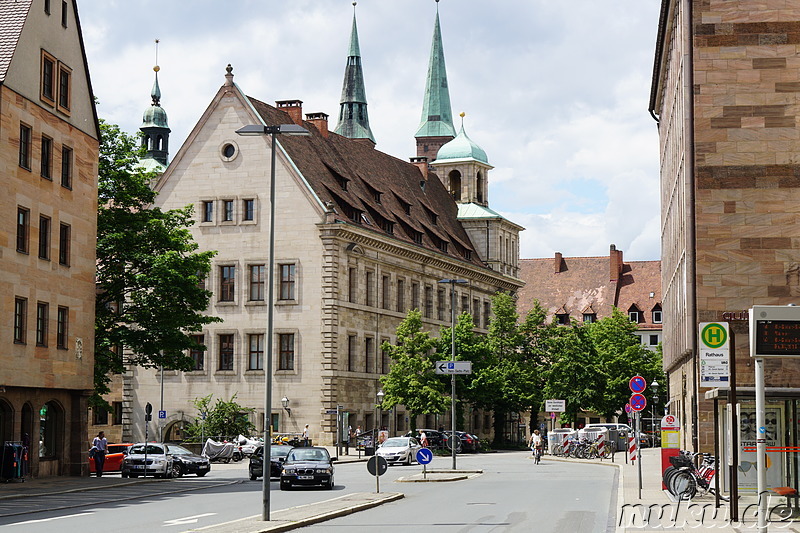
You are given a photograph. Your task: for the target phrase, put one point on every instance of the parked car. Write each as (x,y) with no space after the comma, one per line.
(114,456)
(399,450)
(468,442)
(159,462)
(435,439)
(610,425)
(277,452)
(307,466)
(186,462)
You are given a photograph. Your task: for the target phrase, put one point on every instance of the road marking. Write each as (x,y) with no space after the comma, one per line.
(187,520)
(50,519)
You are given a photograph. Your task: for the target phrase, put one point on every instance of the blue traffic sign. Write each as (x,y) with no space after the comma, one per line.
(637,384)
(162,414)
(638,402)
(424,456)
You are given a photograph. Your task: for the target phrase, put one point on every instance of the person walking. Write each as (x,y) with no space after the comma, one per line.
(305,436)
(423,439)
(100,446)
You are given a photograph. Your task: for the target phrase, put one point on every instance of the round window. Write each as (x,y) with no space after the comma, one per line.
(228,150)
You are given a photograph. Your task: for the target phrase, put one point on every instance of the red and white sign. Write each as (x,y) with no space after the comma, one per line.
(632,448)
(670,422)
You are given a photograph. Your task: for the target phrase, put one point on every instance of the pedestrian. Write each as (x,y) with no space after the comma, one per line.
(99,447)
(536,444)
(423,438)
(347,436)
(305,435)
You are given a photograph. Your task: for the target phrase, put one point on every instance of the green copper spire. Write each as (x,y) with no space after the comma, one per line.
(155,128)
(353,119)
(437,115)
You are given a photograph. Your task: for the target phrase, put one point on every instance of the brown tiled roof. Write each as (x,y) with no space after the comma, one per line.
(12,18)
(584,285)
(325,162)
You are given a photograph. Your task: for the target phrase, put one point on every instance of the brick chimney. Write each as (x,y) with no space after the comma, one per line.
(421,162)
(558,263)
(320,121)
(615,263)
(294,108)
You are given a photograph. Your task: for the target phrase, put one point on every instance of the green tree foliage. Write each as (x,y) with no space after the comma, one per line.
(150,298)
(537,335)
(223,419)
(620,356)
(411,380)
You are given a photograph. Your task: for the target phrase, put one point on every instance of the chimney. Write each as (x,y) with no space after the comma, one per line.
(421,162)
(294,108)
(557,265)
(615,263)
(320,121)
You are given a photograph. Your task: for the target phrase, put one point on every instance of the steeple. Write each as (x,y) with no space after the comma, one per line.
(436,125)
(353,119)
(155,128)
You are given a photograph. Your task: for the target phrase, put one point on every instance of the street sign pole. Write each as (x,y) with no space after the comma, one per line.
(453,377)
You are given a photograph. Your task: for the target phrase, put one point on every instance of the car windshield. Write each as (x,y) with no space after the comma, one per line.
(178,450)
(152,449)
(279,451)
(308,454)
(396,442)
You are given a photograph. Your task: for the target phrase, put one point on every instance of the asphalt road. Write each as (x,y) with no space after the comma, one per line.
(513,494)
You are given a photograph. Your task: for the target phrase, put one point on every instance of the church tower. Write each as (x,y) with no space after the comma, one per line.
(436,124)
(353,119)
(155,129)
(463,168)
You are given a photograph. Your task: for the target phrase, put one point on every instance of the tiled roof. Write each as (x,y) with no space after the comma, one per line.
(584,285)
(358,180)
(12,18)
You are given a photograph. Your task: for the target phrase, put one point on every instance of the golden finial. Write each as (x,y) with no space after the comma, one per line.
(157,68)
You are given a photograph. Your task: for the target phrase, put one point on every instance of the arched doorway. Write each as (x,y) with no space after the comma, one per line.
(176,431)
(6,422)
(51,430)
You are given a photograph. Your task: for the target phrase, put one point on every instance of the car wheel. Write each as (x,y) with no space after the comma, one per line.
(330,484)
(124,475)
(253,477)
(177,471)
(201,474)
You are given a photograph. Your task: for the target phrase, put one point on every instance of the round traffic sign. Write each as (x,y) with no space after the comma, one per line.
(637,384)
(383,466)
(424,456)
(552,416)
(638,402)
(628,408)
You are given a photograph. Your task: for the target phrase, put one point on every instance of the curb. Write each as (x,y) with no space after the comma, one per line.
(311,520)
(80,489)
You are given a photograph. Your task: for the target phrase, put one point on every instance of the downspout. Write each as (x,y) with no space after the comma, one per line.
(691,297)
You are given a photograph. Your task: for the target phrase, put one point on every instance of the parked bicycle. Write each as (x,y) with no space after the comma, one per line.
(685,480)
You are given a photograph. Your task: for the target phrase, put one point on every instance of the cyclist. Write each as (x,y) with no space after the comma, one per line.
(536,443)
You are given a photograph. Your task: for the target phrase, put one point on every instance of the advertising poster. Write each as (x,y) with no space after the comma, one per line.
(774,432)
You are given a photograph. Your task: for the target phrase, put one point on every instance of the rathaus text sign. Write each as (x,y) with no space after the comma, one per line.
(775,331)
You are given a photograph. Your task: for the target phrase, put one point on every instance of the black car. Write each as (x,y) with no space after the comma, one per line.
(186,462)
(308,466)
(277,452)
(469,443)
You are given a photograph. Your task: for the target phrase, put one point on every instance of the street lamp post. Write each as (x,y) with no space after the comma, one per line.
(453,436)
(272,131)
(654,385)
(379,395)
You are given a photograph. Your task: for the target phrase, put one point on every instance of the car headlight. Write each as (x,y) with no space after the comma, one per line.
(288,471)
(323,471)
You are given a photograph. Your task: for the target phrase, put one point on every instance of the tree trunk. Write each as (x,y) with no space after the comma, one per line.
(499,426)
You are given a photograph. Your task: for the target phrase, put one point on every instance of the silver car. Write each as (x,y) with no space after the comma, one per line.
(156,462)
(399,450)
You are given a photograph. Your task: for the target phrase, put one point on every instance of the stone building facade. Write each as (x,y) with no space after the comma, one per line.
(49,139)
(725,92)
(361,238)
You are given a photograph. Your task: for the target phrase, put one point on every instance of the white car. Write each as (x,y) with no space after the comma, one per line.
(399,450)
(157,462)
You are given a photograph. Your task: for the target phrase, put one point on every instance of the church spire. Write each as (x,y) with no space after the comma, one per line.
(155,128)
(436,124)
(353,119)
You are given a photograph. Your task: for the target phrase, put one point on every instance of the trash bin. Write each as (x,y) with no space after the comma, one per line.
(369,450)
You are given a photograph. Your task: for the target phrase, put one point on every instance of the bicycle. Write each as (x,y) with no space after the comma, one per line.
(686,481)
(537,454)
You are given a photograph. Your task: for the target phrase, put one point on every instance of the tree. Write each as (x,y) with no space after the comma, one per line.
(150,297)
(223,419)
(411,381)
(620,356)
(537,335)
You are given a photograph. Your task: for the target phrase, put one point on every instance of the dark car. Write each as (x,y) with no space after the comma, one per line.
(307,466)
(468,443)
(277,452)
(435,439)
(186,462)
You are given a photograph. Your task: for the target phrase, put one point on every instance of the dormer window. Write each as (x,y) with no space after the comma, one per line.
(377,196)
(589,318)
(657,316)
(634,314)
(562,319)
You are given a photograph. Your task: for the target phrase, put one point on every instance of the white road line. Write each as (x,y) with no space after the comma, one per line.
(50,519)
(187,520)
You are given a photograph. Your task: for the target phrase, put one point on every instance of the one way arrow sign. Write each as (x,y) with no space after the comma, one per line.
(453,367)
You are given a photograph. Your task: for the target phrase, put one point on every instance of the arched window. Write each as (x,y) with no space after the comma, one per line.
(51,430)
(479,186)
(146,142)
(159,139)
(455,184)
(176,431)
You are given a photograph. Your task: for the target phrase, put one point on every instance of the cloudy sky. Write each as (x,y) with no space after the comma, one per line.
(555,92)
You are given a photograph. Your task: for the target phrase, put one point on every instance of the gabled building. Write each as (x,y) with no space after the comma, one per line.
(585,289)
(361,238)
(49,143)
